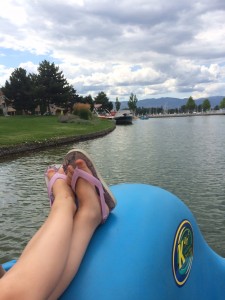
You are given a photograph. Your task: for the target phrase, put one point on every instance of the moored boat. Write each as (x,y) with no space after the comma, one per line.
(103,113)
(123,118)
(144,117)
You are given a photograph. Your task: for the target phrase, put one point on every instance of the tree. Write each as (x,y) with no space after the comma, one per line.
(206,105)
(118,104)
(89,100)
(143,110)
(199,108)
(183,109)
(102,99)
(69,97)
(222,103)
(132,103)
(19,89)
(53,88)
(47,87)
(190,105)
(110,106)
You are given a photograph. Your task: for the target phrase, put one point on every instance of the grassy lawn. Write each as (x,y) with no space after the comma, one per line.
(20,129)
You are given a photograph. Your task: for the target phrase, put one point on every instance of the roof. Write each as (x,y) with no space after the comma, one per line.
(97,105)
(10,109)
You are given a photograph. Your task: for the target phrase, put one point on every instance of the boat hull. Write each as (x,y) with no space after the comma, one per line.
(124,120)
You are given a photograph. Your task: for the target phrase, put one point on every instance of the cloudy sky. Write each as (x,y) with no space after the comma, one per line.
(153,48)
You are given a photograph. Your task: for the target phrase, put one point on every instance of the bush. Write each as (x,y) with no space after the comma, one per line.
(82,110)
(67,118)
(74,119)
(1,112)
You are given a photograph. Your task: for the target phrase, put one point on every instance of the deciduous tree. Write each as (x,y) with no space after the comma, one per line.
(190,105)
(222,103)
(206,105)
(132,103)
(118,104)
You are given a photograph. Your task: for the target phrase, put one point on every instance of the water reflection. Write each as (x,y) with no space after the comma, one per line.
(182,155)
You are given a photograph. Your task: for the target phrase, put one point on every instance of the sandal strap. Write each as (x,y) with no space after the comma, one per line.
(50,185)
(96,182)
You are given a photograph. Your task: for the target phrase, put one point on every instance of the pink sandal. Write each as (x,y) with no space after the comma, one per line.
(49,183)
(105,195)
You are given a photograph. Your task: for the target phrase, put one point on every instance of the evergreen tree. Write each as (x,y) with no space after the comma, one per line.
(19,89)
(88,99)
(53,88)
(102,99)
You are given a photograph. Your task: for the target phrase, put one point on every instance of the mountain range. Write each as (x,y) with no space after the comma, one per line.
(169,102)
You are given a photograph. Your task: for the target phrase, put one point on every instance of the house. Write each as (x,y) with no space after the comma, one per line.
(11,111)
(55,110)
(6,105)
(3,103)
(37,110)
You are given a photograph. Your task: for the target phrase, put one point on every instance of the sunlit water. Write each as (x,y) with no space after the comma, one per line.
(182,155)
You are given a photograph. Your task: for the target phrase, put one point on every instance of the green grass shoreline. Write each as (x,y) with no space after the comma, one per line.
(23,133)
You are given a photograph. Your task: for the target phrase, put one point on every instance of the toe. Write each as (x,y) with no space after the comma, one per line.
(81,164)
(61,171)
(50,173)
(52,170)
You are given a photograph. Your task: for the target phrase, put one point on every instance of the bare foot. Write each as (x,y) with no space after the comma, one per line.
(89,202)
(61,189)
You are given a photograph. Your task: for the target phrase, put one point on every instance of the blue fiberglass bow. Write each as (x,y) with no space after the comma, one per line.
(149,248)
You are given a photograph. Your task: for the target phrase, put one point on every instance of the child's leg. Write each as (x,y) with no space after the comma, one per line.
(40,266)
(86,220)
(2,271)
(62,194)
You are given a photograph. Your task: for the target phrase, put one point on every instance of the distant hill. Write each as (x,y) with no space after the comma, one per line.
(169,102)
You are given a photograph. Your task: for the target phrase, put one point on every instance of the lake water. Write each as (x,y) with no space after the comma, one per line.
(182,155)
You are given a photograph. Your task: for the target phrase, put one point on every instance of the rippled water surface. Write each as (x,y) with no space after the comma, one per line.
(182,155)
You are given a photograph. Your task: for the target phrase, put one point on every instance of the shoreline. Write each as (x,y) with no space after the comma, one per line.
(186,115)
(5,152)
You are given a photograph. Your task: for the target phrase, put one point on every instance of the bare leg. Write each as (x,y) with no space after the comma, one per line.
(2,271)
(86,220)
(61,194)
(40,266)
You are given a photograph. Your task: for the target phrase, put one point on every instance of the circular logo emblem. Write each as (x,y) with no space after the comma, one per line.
(183,250)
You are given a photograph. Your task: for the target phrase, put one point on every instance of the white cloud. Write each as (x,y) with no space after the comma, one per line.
(4,74)
(152,47)
(14,12)
(29,66)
